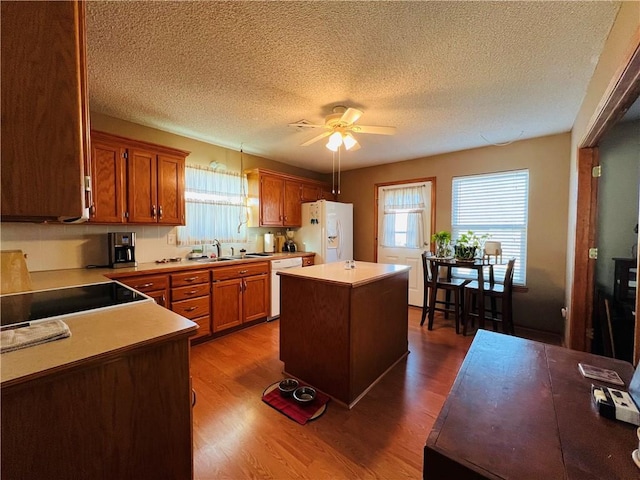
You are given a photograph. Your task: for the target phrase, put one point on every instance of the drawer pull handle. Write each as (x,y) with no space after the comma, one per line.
(242,272)
(191,279)
(191,292)
(190,309)
(144,285)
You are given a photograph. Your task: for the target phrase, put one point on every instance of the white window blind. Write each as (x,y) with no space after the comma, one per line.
(497,204)
(215,206)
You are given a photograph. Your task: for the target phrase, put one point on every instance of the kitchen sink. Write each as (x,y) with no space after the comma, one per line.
(214,260)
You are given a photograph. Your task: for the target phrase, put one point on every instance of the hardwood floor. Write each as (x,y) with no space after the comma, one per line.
(238,436)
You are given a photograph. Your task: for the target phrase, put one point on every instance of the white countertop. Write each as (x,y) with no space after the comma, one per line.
(363,273)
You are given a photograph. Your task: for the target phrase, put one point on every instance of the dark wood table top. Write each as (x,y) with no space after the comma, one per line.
(521,410)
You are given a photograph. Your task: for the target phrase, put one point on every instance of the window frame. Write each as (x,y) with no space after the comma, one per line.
(513,235)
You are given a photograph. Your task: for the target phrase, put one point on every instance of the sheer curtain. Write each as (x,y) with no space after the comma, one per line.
(403,220)
(215,207)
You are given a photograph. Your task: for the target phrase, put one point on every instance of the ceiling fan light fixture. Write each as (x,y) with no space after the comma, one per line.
(349,141)
(335,140)
(332,146)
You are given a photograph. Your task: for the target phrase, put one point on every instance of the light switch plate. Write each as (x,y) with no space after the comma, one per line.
(171,239)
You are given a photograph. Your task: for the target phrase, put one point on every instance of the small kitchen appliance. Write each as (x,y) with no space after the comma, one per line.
(122,249)
(289,245)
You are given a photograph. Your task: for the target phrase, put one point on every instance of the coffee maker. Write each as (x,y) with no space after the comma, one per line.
(122,249)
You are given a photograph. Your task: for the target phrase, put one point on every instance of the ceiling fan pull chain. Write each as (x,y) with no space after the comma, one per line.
(339,149)
(333,173)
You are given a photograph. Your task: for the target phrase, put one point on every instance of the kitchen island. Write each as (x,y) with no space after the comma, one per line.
(342,329)
(111,401)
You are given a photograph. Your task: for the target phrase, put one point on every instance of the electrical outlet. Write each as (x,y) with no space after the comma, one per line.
(171,239)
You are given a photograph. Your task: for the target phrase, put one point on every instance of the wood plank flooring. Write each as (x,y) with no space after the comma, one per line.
(237,436)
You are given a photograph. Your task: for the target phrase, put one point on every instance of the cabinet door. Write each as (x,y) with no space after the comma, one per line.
(292,210)
(256,297)
(107,179)
(227,304)
(170,190)
(326,194)
(271,201)
(142,179)
(44,140)
(310,193)
(160,297)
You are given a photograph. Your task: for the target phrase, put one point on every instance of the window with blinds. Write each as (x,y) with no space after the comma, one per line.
(496,204)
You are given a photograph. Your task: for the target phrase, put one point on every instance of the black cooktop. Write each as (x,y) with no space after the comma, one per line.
(22,308)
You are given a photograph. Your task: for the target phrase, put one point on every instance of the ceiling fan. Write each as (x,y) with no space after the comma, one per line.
(339,127)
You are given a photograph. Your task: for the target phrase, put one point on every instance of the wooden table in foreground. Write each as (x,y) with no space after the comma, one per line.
(521,410)
(342,329)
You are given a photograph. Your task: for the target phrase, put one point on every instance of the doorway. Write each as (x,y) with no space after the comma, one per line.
(405,220)
(623,92)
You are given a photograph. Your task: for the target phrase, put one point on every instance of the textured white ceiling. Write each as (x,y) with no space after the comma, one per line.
(446,74)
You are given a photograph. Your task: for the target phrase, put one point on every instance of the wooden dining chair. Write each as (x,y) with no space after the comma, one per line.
(493,291)
(449,285)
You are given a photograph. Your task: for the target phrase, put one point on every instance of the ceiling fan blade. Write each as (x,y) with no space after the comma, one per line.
(308,125)
(350,116)
(373,129)
(316,138)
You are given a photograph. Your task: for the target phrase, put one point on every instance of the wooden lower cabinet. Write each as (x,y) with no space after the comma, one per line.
(227,304)
(308,261)
(217,299)
(241,294)
(126,416)
(190,297)
(155,286)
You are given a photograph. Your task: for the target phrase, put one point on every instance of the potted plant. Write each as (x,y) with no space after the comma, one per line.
(442,239)
(468,245)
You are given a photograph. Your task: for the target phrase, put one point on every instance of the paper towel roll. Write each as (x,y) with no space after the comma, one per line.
(269,243)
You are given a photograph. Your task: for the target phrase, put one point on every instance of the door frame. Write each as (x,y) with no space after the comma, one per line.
(623,90)
(376,188)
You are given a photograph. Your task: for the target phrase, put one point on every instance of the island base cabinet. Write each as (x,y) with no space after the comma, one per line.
(343,338)
(125,417)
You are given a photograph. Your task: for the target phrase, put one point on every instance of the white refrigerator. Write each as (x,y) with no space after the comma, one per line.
(327,230)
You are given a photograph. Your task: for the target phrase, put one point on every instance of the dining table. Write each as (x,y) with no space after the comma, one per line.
(477,264)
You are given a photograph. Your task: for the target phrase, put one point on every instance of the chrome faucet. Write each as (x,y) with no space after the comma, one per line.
(216,243)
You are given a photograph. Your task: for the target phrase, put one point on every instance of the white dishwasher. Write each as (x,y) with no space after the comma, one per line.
(276,266)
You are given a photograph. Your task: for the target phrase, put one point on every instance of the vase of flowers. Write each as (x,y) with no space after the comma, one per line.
(442,239)
(469,245)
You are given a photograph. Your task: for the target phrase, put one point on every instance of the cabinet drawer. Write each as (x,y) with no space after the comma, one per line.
(191,291)
(204,329)
(193,308)
(308,261)
(239,271)
(189,278)
(146,283)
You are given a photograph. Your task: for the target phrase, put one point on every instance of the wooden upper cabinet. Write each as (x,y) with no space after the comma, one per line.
(108,193)
(44,110)
(292,209)
(310,192)
(142,181)
(142,186)
(271,201)
(275,198)
(171,190)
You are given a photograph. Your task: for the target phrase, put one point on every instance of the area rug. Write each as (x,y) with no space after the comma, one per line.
(292,409)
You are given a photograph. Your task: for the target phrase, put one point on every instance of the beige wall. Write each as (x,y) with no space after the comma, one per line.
(622,39)
(547,159)
(201,152)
